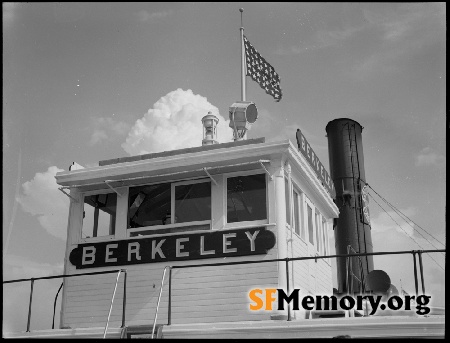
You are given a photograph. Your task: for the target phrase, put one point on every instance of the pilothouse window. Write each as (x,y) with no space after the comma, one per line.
(170,203)
(246,198)
(99,215)
(193,202)
(149,205)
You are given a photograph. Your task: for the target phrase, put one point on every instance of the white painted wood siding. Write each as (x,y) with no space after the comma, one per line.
(203,294)
(309,276)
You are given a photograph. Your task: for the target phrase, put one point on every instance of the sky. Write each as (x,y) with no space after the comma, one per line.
(85,82)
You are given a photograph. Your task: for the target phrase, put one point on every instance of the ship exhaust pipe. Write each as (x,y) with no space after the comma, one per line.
(352,229)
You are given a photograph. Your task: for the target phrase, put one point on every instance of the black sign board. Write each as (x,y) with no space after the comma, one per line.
(208,244)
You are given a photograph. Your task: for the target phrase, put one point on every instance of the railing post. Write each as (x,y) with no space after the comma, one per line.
(54,304)
(124,303)
(159,299)
(415,273)
(287,289)
(29,306)
(112,301)
(169,315)
(421,271)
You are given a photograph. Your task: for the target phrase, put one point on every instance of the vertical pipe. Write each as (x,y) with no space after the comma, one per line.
(415,273)
(287,289)
(421,271)
(29,307)
(169,321)
(124,303)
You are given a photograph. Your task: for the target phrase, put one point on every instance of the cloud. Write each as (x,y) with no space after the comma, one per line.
(322,39)
(174,122)
(106,128)
(16,295)
(8,12)
(427,157)
(145,16)
(17,267)
(404,30)
(383,222)
(400,268)
(42,198)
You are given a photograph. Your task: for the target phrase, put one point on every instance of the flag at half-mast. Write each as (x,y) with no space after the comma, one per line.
(261,71)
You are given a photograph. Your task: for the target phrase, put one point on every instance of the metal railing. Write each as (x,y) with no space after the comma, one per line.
(349,272)
(73,275)
(287,260)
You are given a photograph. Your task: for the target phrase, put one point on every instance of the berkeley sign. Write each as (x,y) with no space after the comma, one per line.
(181,247)
(313,160)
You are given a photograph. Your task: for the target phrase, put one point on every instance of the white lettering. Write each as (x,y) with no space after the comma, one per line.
(202,247)
(109,253)
(87,254)
(226,243)
(133,248)
(180,246)
(157,249)
(252,239)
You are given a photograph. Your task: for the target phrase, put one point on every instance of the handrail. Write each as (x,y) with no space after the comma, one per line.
(159,299)
(349,267)
(287,259)
(110,307)
(70,275)
(54,304)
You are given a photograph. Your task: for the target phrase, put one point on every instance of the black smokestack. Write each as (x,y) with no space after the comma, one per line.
(352,228)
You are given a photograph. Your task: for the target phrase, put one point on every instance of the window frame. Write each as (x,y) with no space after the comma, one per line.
(318,233)
(298,194)
(225,199)
(325,227)
(98,238)
(171,225)
(309,203)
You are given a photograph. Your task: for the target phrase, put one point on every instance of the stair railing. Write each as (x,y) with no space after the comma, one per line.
(112,301)
(159,299)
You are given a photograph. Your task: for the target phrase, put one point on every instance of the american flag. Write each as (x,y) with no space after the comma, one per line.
(261,71)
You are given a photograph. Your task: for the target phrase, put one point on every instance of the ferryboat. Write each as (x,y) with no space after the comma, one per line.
(187,243)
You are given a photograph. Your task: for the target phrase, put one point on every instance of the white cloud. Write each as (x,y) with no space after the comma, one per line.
(145,16)
(8,12)
(106,129)
(98,136)
(384,222)
(427,157)
(174,122)
(404,30)
(400,268)
(17,267)
(322,39)
(387,236)
(42,198)
(16,295)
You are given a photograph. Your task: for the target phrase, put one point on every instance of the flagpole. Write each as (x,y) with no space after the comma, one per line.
(243,85)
